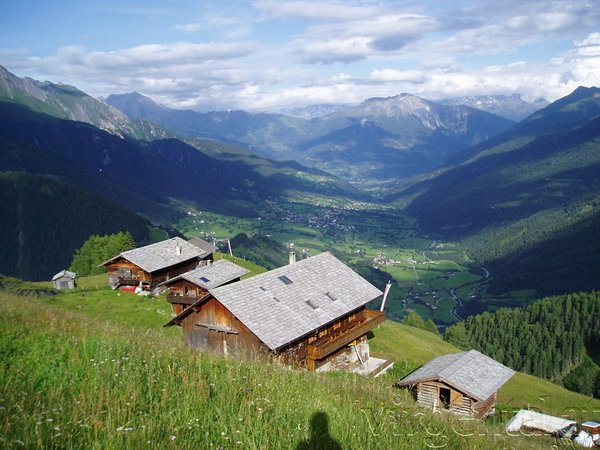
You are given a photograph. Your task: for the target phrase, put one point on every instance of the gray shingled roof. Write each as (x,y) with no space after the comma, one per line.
(64,273)
(209,277)
(287,303)
(162,254)
(203,245)
(472,373)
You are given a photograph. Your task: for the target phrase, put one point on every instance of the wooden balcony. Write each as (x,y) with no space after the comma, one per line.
(329,344)
(182,299)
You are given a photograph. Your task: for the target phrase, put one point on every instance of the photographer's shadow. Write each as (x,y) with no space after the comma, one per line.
(319,435)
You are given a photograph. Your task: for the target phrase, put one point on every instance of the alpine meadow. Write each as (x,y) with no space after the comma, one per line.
(300,224)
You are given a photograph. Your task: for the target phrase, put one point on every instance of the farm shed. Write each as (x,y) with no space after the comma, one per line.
(311,314)
(187,288)
(154,263)
(463,383)
(64,280)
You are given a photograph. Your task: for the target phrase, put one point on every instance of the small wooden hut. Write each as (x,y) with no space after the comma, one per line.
(154,263)
(311,313)
(463,383)
(64,280)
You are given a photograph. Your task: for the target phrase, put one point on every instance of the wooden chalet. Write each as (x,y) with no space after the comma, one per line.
(463,383)
(64,280)
(310,314)
(154,263)
(188,287)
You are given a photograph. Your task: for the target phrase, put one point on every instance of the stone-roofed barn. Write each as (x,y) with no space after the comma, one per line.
(154,263)
(311,313)
(463,383)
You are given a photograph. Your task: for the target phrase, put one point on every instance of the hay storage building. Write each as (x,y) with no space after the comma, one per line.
(462,383)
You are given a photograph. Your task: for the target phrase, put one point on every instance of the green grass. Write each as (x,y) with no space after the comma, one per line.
(411,348)
(94,368)
(70,381)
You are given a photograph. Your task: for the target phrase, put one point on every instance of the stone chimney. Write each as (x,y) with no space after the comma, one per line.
(292,254)
(177,248)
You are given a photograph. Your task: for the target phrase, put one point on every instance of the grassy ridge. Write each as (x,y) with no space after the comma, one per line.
(68,380)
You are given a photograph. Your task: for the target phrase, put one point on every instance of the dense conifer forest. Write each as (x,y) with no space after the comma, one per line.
(555,338)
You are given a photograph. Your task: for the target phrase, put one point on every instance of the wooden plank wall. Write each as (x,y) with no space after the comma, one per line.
(428,396)
(243,343)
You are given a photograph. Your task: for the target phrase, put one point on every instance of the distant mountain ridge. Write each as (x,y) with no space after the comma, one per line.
(67,102)
(381,138)
(511,107)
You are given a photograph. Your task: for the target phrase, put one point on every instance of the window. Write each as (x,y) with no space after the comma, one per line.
(331,296)
(337,325)
(204,279)
(285,279)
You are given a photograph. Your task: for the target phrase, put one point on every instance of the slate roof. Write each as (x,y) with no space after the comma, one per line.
(472,373)
(161,255)
(207,247)
(211,276)
(64,273)
(285,304)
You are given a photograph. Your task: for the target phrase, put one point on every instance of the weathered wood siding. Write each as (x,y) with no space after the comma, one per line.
(485,408)
(428,395)
(122,269)
(200,330)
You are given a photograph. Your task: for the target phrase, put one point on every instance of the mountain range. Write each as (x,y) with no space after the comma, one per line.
(511,107)
(382,138)
(523,199)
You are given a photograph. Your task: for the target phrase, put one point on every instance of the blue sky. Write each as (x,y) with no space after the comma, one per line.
(267,54)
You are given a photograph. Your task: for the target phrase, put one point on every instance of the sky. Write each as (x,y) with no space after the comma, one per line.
(269,55)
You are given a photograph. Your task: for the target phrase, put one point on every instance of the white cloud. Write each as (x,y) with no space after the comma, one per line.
(314,10)
(189,27)
(413,76)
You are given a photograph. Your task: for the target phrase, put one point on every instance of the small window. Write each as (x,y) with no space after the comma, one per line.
(285,279)
(311,304)
(264,289)
(323,333)
(204,279)
(351,318)
(337,325)
(332,297)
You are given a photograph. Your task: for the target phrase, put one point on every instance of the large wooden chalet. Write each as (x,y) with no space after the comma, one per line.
(462,383)
(155,263)
(310,313)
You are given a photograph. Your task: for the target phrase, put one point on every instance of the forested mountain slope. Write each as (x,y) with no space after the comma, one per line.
(43,220)
(527,203)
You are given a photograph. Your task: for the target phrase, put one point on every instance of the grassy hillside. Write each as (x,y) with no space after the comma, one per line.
(94,368)
(75,379)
